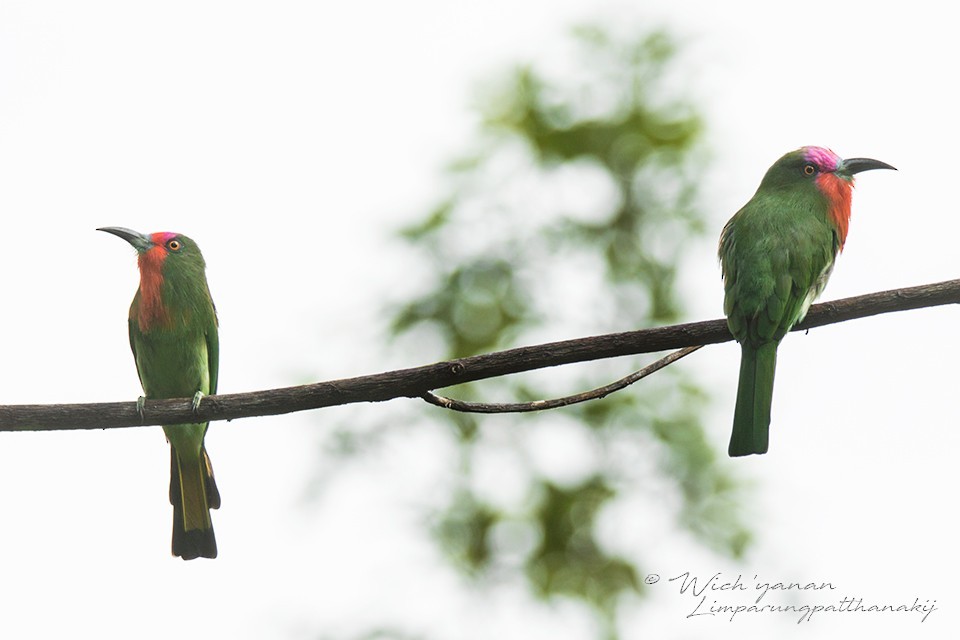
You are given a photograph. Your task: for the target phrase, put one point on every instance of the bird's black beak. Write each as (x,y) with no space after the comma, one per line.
(856,165)
(139,241)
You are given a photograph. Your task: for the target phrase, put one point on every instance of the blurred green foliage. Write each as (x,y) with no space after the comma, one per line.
(571,215)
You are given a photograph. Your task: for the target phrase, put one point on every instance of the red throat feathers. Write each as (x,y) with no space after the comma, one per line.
(152,312)
(839,193)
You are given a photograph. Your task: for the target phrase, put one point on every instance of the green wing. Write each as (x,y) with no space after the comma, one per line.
(213,353)
(775,260)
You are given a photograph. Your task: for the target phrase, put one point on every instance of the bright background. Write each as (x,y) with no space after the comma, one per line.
(289,139)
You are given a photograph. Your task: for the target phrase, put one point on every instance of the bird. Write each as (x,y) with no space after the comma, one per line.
(173,334)
(776,255)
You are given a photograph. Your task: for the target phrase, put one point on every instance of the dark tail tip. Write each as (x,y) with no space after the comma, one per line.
(739,449)
(196,543)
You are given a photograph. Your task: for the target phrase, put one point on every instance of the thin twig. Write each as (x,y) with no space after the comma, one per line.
(554,403)
(414,382)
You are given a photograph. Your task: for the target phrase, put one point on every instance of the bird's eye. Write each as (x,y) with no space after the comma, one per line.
(173,245)
(809,169)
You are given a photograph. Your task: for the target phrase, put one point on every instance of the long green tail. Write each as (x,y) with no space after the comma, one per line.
(193,492)
(751,418)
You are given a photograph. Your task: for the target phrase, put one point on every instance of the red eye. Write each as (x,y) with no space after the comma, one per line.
(173,245)
(809,169)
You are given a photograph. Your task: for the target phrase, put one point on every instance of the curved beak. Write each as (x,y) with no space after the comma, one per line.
(139,241)
(856,165)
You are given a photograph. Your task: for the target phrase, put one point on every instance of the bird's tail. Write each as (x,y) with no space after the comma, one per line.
(193,492)
(751,418)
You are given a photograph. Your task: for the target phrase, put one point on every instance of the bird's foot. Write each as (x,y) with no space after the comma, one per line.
(197,397)
(141,402)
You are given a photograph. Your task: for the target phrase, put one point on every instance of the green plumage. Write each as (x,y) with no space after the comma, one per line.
(751,418)
(776,254)
(173,335)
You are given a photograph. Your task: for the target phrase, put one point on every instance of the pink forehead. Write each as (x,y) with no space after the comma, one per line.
(824,158)
(162,237)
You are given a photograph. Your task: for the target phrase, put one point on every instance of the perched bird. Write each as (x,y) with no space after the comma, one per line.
(776,255)
(173,335)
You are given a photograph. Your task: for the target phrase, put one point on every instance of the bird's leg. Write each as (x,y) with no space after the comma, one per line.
(141,402)
(197,397)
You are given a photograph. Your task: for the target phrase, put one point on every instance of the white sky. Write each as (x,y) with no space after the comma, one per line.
(288,139)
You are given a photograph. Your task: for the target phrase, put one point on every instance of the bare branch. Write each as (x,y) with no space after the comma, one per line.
(415,382)
(542,405)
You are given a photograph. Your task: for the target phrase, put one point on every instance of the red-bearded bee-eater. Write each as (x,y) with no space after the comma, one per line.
(173,335)
(776,255)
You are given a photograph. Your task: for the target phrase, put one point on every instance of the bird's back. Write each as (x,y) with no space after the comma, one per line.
(776,253)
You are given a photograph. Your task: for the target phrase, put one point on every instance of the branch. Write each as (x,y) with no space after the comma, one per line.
(566,401)
(415,382)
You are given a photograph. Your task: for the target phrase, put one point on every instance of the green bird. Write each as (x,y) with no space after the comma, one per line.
(173,335)
(776,255)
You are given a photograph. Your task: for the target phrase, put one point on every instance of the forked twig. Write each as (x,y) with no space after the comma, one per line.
(541,405)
